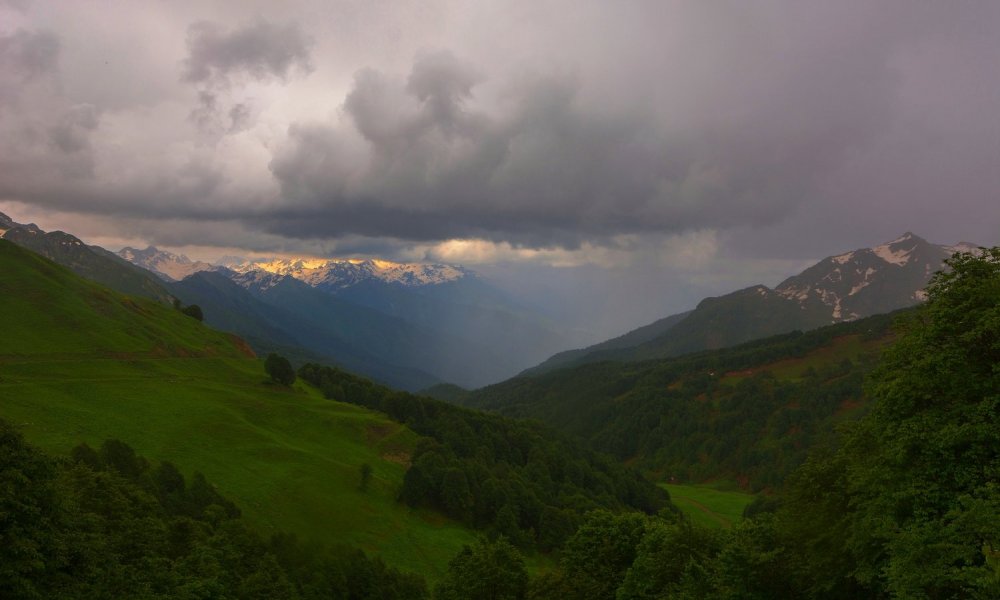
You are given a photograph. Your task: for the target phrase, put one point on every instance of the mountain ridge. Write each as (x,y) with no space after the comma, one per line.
(842,287)
(91,262)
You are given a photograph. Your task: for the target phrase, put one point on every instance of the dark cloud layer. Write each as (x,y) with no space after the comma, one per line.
(548,168)
(572,124)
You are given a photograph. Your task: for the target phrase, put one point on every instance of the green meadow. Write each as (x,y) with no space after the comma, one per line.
(709,505)
(79,363)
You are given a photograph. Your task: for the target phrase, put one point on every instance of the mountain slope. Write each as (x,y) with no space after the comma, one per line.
(272,328)
(91,262)
(83,363)
(849,286)
(631,339)
(410,325)
(292,458)
(447,301)
(749,413)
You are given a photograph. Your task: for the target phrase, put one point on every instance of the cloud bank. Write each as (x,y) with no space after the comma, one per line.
(583,127)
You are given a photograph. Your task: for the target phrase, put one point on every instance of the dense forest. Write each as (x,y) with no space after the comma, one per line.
(107,523)
(515,478)
(748,413)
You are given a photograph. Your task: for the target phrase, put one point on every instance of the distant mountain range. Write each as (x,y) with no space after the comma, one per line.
(411,325)
(414,325)
(845,287)
(169,266)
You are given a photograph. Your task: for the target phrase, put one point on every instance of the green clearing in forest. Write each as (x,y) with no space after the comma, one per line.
(708,505)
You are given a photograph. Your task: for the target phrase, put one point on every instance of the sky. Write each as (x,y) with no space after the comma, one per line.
(610,162)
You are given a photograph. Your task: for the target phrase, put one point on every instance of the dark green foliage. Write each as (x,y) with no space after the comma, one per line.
(924,467)
(905,505)
(193,311)
(366,476)
(279,369)
(672,558)
(513,478)
(488,570)
(679,419)
(596,558)
(108,525)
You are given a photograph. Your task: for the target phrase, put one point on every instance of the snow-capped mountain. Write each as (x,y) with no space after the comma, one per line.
(169,266)
(337,274)
(844,287)
(255,280)
(870,281)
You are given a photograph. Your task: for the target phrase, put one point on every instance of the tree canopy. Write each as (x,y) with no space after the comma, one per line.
(279,369)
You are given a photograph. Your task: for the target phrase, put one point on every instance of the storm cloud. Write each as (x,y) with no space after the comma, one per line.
(545,162)
(563,125)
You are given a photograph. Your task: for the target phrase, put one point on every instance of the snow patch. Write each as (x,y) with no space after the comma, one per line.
(842,258)
(864,283)
(257,278)
(795,292)
(342,273)
(167,265)
(893,257)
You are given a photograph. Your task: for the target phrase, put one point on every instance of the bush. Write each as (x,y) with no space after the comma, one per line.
(279,369)
(193,311)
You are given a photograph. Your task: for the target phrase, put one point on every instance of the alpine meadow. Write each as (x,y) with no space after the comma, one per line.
(499,301)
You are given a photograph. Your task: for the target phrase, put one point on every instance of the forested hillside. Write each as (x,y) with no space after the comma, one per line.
(904,503)
(748,413)
(514,478)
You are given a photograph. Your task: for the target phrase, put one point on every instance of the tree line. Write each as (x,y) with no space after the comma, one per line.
(106,523)
(508,477)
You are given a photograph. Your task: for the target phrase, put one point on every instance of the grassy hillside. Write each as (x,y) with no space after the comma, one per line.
(81,363)
(91,262)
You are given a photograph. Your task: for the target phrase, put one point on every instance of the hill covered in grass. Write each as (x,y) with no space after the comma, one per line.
(80,363)
(409,479)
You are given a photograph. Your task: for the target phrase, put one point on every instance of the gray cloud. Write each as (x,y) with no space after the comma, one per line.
(261,51)
(72,132)
(219,60)
(549,169)
(569,124)
(25,57)
(15,4)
